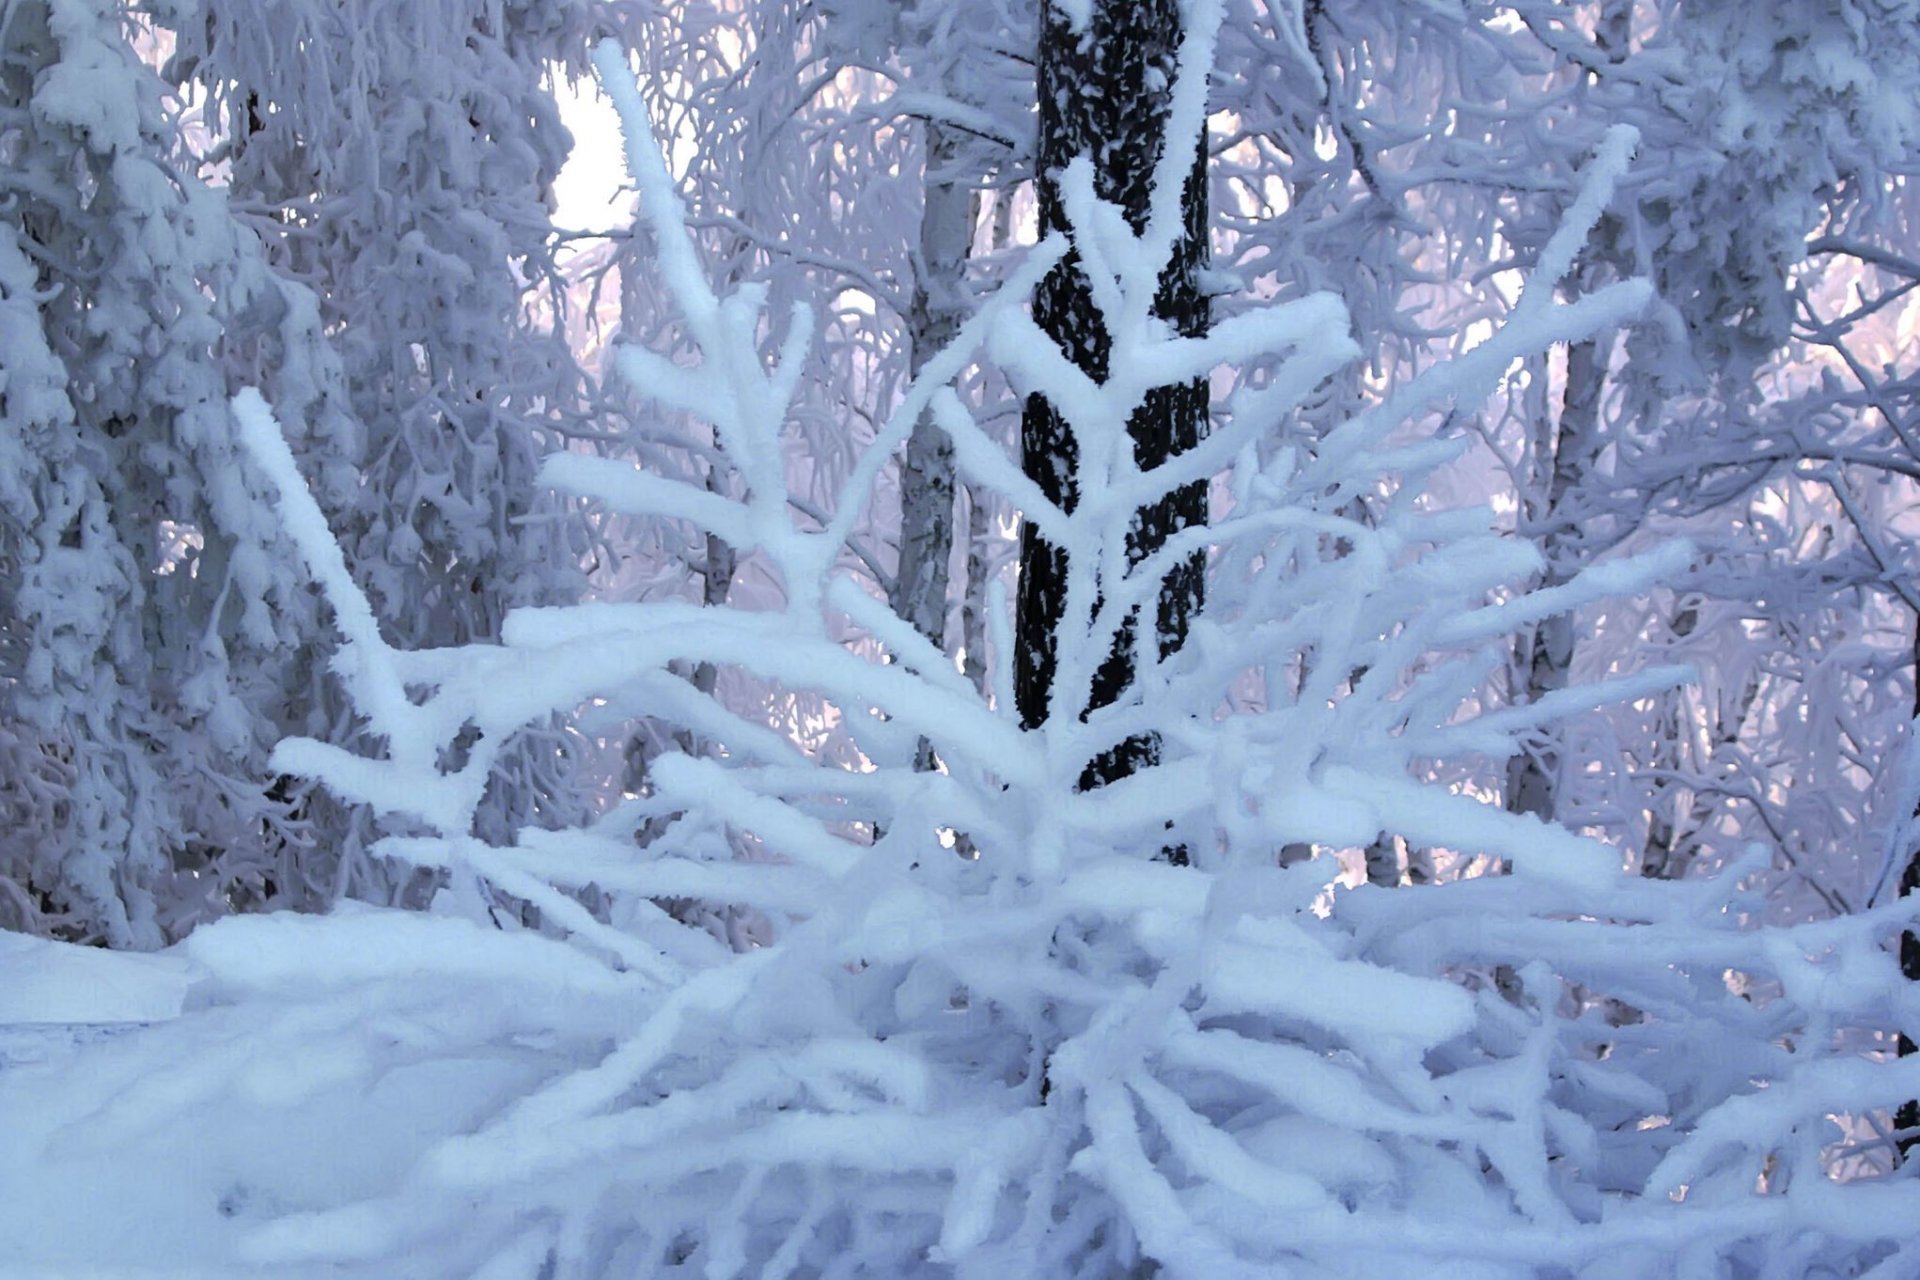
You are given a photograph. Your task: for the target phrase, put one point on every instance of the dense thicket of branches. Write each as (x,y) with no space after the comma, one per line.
(1466,445)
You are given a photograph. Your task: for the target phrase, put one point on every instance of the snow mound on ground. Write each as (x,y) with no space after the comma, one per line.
(245,955)
(57,982)
(275,1076)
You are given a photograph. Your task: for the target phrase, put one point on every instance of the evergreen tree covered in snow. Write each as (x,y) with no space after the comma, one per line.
(154,637)
(1058,1054)
(399,160)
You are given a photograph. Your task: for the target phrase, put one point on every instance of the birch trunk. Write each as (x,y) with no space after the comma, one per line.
(1105,91)
(973,609)
(1533,777)
(936,312)
(1673,831)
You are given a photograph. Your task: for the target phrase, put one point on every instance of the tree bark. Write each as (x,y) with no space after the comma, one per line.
(973,606)
(1674,830)
(936,312)
(1533,777)
(1105,91)
(1564,453)
(1907,1115)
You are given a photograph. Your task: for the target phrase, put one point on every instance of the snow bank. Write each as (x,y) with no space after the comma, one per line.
(42,981)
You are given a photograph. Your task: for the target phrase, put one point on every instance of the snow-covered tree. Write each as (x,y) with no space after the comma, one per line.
(401,166)
(857,977)
(1062,1055)
(154,639)
(1413,158)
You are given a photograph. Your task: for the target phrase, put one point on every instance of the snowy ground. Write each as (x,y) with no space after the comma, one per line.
(109,1168)
(159,1111)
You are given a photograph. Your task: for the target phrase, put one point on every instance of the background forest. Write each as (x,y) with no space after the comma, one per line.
(1208,637)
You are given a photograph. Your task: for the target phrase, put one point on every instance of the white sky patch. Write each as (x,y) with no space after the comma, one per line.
(592,191)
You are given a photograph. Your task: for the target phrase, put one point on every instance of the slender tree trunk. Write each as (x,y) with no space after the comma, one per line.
(716,581)
(1533,777)
(718,562)
(973,593)
(1105,92)
(973,608)
(1673,832)
(937,310)
(1907,1117)
(1562,457)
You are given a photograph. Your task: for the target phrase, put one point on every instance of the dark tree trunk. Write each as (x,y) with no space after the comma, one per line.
(1907,1116)
(1105,92)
